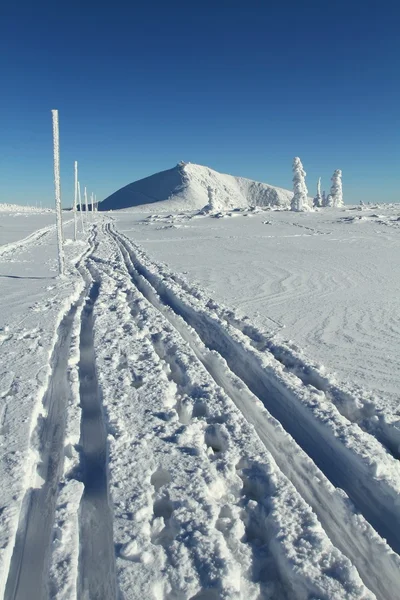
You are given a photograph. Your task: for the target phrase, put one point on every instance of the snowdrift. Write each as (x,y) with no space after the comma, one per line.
(187,187)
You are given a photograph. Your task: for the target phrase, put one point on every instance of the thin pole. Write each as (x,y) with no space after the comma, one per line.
(91,203)
(80,206)
(57,190)
(86,204)
(75,198)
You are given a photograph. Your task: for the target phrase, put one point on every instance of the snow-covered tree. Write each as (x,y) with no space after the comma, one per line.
(211,192)
(317,202)
(335,197)
(299,200)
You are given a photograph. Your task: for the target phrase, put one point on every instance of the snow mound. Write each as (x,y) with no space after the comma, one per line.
(190,187)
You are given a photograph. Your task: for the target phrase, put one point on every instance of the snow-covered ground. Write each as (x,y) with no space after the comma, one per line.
(16,226)
(205,407)
(329,280)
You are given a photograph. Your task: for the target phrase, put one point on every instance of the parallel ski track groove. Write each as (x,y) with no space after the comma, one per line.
(27,576)
(96,576)
(387,436)
(253,379)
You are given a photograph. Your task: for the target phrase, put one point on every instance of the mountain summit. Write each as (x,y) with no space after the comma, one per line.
(192,187)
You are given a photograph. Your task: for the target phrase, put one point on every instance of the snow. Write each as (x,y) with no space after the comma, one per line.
(15,226)
(300,193)
(335,197)
(34,303)
(205,406)
(329,281)
(18,208)
(186,187)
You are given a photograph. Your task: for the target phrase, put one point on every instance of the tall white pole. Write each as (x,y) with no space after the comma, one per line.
(86,204)
(75,199)
(92,203)
(80,206)
(57,190)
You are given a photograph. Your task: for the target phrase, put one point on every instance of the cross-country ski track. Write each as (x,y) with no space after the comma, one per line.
(182,453)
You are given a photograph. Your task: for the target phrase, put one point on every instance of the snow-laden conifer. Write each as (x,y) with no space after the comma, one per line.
(57,189)
(317,202)
(299,200)
(211,192)
(336,195)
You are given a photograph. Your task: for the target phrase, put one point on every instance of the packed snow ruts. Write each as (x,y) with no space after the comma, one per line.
(96,556)
(340,449)
(210,495)
(354,408)
(30,560)
(136,556)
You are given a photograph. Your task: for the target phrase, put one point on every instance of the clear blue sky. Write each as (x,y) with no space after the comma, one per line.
(242,87)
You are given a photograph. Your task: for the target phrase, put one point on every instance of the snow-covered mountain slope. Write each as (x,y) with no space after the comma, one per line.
(188,187)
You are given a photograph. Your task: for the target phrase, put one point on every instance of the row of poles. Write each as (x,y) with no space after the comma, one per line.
(77,197)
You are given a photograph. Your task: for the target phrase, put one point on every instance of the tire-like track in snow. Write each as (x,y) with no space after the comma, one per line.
(333,459)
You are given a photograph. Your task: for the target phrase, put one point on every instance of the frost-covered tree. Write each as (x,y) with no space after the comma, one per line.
(335,197)
(317,202)
(337,188)
(212,199)
(299,200)
(324,199)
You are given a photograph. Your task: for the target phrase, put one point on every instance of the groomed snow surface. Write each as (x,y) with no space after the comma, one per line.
(204,407)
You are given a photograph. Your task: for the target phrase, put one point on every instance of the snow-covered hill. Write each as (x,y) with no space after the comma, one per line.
(188,187)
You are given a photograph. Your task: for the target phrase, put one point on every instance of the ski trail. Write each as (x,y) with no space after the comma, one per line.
(180,371)
(138,391)
(326,453)
(97,577)
(351,403)
(365,417)
(30,561)
(27,577)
